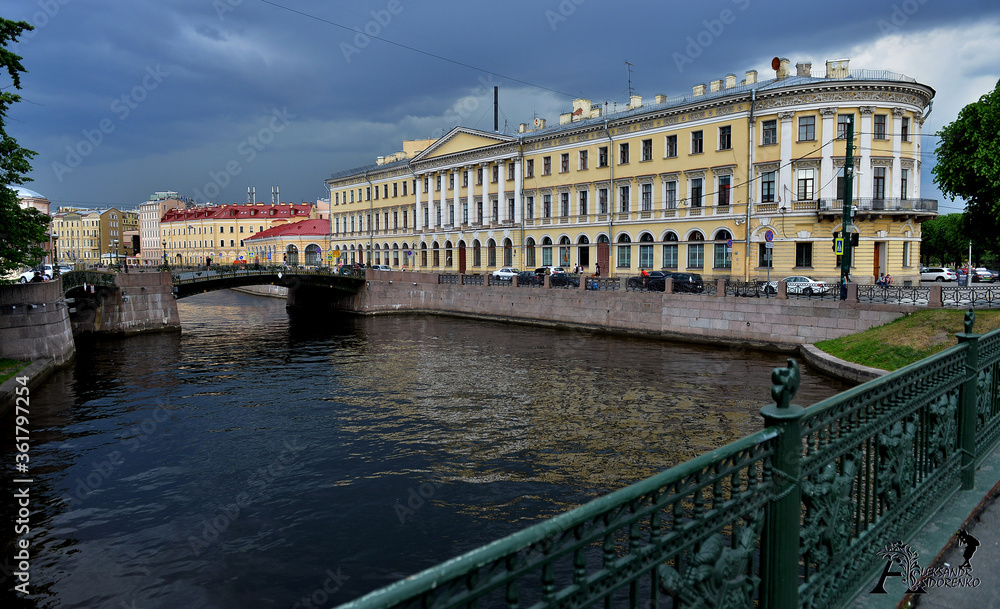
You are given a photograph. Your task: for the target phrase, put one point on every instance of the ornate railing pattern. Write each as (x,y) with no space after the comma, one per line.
(914,295)
(604,284)
(494,280)
(749,289)
(74,279)
(453,279)
(472,280)
(971,296)
(843,478)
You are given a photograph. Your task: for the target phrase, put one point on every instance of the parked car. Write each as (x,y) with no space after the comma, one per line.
(64,269)
(506,272)
(381,267)
(654,281)
(983,275)
(689,283)
(798,284)
(550,270)
(529,278)
(938,274)
(562,280)
(44,269)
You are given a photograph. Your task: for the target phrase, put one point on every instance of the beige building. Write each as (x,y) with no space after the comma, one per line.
(150,214)
(700,182)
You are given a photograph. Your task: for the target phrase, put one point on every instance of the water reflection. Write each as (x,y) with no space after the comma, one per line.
(242,462)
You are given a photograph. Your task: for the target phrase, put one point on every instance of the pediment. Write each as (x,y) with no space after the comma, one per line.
(462,139)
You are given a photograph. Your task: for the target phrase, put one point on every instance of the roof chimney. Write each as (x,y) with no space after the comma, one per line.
(730,81)
(635,101)
(522,127)
(660,99)
(715,85)
(698,90)
(803,69)
(838,68)
(782,71)
(751,77)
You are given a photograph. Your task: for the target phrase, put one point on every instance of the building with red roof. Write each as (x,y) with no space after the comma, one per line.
(301,243)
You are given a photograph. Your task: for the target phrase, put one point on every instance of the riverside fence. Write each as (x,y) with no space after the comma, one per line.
(791,516)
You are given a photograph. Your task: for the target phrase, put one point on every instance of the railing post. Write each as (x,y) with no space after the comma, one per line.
(779,546)
(967,404)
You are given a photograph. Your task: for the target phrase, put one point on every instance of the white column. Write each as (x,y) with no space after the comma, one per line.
(501,191)
(518,192)
(828,185)
(864,165)
(487,177)
(786,186)
(418,191)
(897,147)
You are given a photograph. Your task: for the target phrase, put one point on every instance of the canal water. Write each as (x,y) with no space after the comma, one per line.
(262,460)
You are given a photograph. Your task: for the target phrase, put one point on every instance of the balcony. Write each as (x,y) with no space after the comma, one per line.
(904,209)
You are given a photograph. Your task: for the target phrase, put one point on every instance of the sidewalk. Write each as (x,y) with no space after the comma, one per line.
(978,512)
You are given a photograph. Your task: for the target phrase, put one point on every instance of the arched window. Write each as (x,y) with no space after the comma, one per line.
(448,248)
(670,250)
(292,255)
(583,251)
(696,251)
(723,256)
(529,252)
(646,251)
(477,256)
(395,255)
(564,244)
(491,253)
(378,257)
(423,254)
(624,254)
(437,254)
(508,252)
(546,251)
(313,256)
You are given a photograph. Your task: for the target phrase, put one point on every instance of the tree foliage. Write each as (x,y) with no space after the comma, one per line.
(944,241)
(968,167)
(21,230)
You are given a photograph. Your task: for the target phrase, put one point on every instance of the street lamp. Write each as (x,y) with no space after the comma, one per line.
(114,244)
(165,256)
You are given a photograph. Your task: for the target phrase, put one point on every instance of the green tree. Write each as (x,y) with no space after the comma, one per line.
(968,167)
(21,230)
(943,241)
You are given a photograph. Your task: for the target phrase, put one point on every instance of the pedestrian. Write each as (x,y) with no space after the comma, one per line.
(597,269)
(881,280)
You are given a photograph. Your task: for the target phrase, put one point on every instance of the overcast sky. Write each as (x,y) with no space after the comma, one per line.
(208,97)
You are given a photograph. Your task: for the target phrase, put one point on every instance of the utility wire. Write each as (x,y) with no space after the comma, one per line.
(416,50)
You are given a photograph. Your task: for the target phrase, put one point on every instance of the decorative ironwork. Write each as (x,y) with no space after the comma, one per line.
(914,295)
(604,284)
(472,280)
(749,289)
(988,296)
(452,279)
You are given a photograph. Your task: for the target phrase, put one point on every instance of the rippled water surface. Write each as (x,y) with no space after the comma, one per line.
(259,459)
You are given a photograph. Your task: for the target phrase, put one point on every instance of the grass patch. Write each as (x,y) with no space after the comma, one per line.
(10,367)
(907,339)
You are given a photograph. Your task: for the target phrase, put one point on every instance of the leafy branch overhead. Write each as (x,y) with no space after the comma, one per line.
(21,230)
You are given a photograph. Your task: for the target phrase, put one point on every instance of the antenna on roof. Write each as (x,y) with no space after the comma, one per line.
(629,64)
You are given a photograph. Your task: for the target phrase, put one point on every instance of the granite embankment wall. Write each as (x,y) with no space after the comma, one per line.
(274,291)
(34,323)
(766,323)
(144,302)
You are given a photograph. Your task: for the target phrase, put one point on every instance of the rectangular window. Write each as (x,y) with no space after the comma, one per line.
(805,185)
(546,256)
(807,128)
(530,207)
(437,181)
(697,142)
(624,256)
(546,165)
(395,219)
(385,191)
(465,177)
(769,134)
(479,175)
(879,127)
(395,188)
(602,201)
(767,187)
(647,150)
(622,154)
(510,171)
(451,180)
(368,193)
(479,212)
(437,214)
(725,183)
(904,129)
(670,256)
(840,184)
(404,189)
(906,253)
(696,255)
(843,120)
(804,255)
(722,259)
(670,146)
(583,202)
(546,206)
(764,258)
(696,190)
(583,160)
(496,174)
(564,204)
(530,170)
(878,183)
(602,156)
(624,193)
(904,183)
(427,221)
(465,213)
(426,184)
(564,163)
(725,138)
(647,197)
(496,211)
(671,200)
(646,256)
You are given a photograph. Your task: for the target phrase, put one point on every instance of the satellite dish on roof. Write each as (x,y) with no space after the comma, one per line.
(775,63)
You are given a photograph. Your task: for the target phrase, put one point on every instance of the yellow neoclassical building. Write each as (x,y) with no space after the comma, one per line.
(699,183)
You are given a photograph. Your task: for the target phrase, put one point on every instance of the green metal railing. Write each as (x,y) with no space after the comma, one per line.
(74,279)
(791,516)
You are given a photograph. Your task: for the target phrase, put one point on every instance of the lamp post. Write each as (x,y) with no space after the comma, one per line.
(165,267)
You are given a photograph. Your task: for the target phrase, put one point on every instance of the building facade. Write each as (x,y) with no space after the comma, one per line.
(698,183)
(218,233)
(150,213)
(302,243)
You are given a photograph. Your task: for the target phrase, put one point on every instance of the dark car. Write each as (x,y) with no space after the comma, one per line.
(563,280)
(529,278)
(654,281)
(689,283)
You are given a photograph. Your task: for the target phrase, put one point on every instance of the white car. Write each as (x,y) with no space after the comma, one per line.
(381,267)
(938,274)
(798,284)
(45,269)
(506,272)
